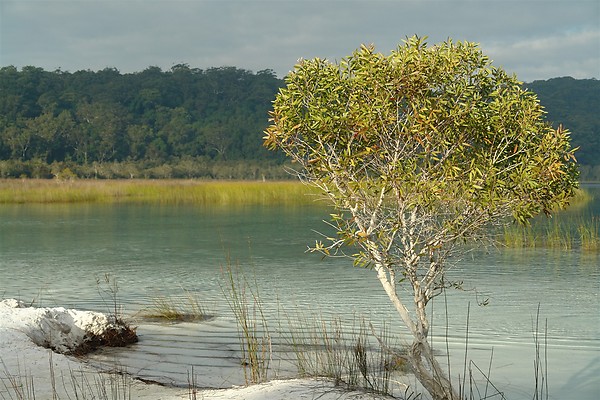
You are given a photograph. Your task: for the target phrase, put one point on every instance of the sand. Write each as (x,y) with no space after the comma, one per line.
(34,347)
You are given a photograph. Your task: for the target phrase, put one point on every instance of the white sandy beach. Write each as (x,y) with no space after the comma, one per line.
(29,369)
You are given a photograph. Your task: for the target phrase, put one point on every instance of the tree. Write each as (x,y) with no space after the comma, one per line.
(420,152)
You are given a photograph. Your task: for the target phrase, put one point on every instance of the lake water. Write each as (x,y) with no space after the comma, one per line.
(56,254)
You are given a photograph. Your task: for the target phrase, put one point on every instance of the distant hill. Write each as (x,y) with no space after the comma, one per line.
(575,103)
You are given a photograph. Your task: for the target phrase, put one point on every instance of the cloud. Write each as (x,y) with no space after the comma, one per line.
(576,54)
(527,36)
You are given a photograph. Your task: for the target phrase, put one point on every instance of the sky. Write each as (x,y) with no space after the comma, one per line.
(534,39)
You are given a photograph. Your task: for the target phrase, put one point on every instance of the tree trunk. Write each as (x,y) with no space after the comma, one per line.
(429,372)
(425,367)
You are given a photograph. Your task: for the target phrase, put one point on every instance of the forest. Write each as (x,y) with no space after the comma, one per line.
(189,123)
(575,104)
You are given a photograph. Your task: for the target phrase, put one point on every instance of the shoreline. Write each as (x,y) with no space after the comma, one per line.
(32,371)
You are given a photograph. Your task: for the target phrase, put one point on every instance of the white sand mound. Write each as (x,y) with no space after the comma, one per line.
(27,368)
(62,330)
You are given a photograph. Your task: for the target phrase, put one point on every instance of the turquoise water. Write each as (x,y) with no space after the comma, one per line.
(59,255)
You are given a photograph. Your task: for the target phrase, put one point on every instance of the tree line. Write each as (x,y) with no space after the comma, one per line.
(183,122)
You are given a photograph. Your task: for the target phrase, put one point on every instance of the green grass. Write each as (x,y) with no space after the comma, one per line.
(157,191)
(520,236)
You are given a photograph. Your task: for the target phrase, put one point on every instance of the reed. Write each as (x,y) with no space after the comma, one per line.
(520,236)
(540,365)
(557,233)
(157,191)
(559,236)
(581,198)
(255,340)
(108,290)
(562,232)
(589,233)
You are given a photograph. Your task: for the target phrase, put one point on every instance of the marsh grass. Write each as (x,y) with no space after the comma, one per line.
(589,235)
(520,236)
(581,198)
(108,290)
(157,191)
(17,384)
(562,231)
(556,233)
(540,365)
(113,386)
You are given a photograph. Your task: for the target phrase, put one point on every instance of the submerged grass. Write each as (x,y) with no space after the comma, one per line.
(170,309)
(157,191)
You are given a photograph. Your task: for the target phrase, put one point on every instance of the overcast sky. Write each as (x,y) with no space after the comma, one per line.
(536,39)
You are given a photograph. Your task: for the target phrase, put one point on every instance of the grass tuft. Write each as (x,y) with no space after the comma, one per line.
(255,339)
(170,309)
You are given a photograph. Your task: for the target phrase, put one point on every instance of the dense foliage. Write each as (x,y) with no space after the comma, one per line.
(187,122)
(177,122)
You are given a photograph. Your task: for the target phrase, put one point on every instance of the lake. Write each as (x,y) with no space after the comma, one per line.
(59,255)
